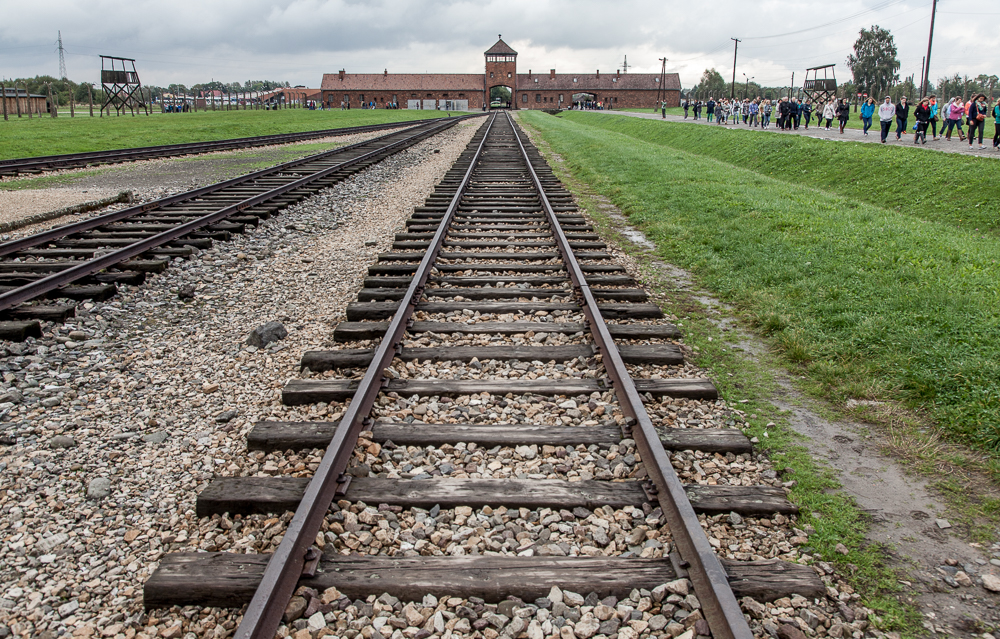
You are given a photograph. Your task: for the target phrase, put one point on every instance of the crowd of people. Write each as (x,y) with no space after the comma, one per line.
(791,113)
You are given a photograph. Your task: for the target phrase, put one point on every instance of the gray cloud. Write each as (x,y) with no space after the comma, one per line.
(298,40)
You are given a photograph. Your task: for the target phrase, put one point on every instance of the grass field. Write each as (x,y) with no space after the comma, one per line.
(48,136)
(840,253)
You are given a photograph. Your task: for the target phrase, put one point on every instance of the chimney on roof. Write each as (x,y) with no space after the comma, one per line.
(618,73)
(529,74)
(552,74)
(385,73)
(598,73)
(341,74)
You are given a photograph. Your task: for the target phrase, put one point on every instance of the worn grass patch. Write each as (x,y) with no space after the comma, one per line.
(47,136)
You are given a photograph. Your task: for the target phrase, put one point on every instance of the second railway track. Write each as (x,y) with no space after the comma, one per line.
(85,260)
(490,361)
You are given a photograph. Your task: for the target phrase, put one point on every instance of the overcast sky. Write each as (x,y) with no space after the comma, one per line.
(191,41)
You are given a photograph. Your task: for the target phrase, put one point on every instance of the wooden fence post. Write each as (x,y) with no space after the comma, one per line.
(17,100)
(3,92)
(52,103)
(72,111)
(90,98)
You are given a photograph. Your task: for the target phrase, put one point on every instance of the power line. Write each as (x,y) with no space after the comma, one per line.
(878,7)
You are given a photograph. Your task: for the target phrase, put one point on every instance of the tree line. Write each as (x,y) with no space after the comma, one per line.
(64,89)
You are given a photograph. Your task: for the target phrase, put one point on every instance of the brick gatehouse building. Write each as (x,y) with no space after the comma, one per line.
(471,91)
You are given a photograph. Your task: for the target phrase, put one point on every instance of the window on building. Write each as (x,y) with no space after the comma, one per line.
(347,98)
(538,97)
(508,74)
(413,95)
(444,95)
(461,95)
(394,98)
(524,97)
(491,74)
(361,98)
(560,97)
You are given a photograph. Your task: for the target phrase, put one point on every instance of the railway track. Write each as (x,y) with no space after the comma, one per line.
(498,304)
(43,275)
(44,163)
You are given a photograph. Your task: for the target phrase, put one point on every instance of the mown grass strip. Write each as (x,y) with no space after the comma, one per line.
(47,136)
(870,302)
(958,190)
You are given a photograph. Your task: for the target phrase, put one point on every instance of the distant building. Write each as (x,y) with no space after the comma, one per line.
(471,91)
(298,96)
(37,103)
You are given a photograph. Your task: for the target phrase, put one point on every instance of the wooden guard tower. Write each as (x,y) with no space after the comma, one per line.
(122,88)
(820,90)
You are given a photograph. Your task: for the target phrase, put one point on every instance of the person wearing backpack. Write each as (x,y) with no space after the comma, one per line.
(843,114)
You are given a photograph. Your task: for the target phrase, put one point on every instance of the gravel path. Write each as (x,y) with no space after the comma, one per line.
(16,205)
(849,135)
(121,416)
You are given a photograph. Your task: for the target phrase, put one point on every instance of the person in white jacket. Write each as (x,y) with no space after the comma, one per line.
(886,113)
(829,113)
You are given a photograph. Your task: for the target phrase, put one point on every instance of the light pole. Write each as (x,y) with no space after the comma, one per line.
(746,92)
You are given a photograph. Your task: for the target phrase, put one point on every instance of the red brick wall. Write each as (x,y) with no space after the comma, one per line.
(333,98)
(620,99)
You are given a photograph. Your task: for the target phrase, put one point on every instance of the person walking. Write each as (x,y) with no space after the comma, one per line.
(697,109)
(867,111)
(886,113)
(754,112)
(843,114)
(829,113)
(977,119)
(902,115)
(765,118)
(710,109)
(954,111)
(996,125)
(923,115)
(782,113)
(796,113)
(685,109)
(933,104)
(807,110)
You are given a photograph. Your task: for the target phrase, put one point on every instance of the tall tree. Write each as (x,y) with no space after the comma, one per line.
(874,61)
(712,84)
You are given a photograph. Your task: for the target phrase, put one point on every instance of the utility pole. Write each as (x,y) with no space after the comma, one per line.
(791,85)
(736,46)
(62,59)
(662,88)
(927,59)
(923,62)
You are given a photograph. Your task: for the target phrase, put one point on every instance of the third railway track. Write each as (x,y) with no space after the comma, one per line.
(44,163)
(497,304)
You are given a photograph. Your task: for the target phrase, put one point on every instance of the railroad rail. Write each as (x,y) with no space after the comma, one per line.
(86,259)
(499,239)
(44,163)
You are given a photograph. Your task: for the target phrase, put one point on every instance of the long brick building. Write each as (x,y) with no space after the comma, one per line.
(470,91)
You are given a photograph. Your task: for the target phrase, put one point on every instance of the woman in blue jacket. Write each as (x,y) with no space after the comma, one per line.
(867,111)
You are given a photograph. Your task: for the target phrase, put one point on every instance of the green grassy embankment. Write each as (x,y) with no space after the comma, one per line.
(47,136)
(873,270)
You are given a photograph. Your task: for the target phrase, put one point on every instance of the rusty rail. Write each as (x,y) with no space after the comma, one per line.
(711,584)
